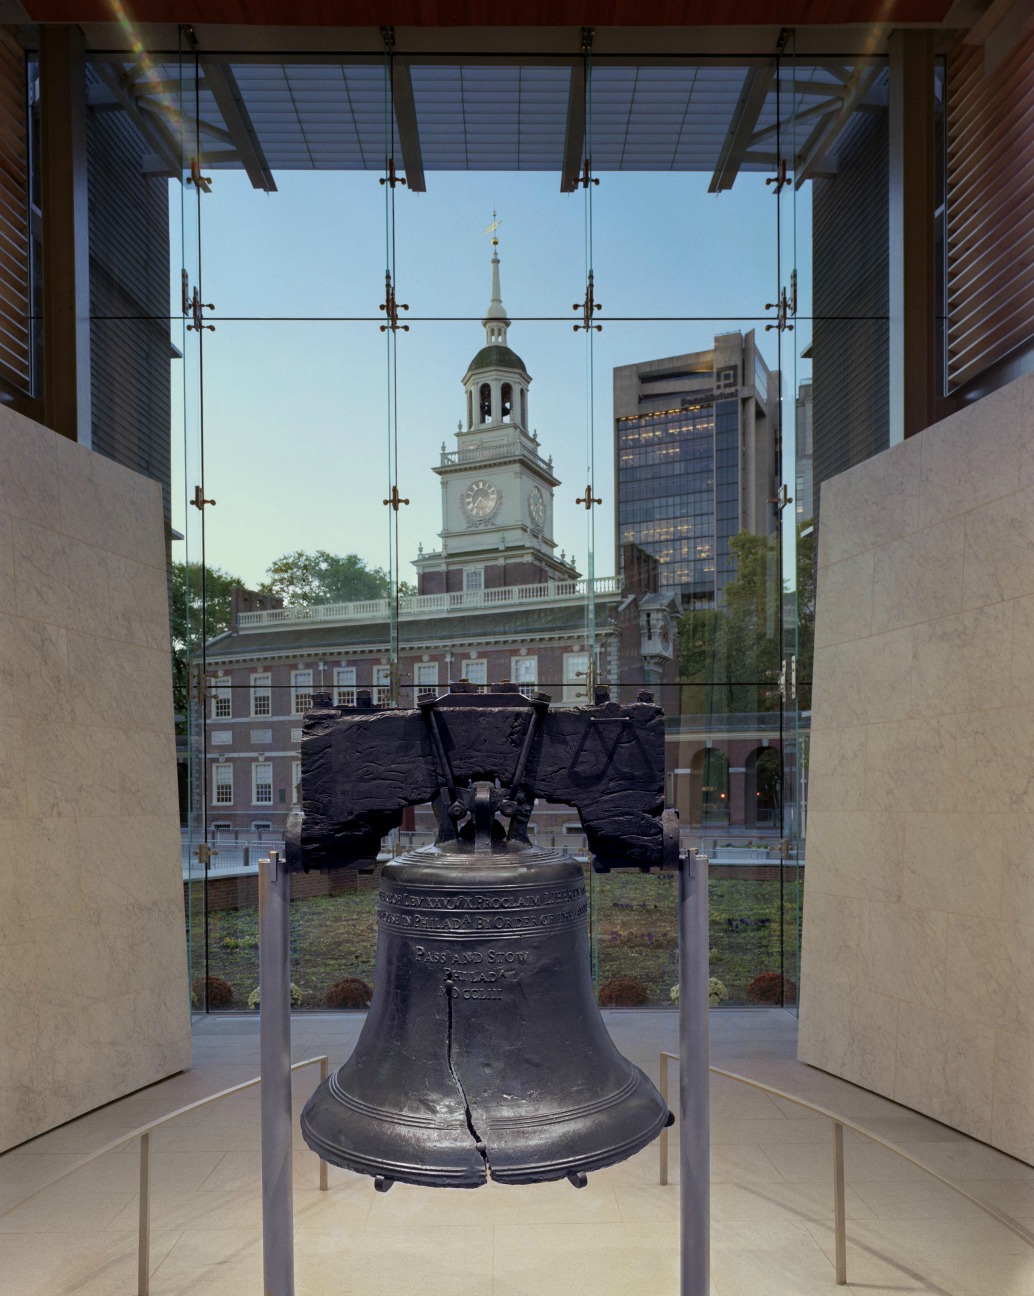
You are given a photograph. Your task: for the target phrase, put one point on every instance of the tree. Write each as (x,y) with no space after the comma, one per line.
(200,610)
(730,655)
(323,577)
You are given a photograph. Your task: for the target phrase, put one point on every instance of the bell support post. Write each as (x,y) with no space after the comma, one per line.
(275,1092)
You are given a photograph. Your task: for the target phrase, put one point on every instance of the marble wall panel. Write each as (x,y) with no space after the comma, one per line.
(93,986)
(964,662)
(871,504)
(1012,1113)
(973,458)
(918,944)
(843,609)
(918,577)
(944,1065)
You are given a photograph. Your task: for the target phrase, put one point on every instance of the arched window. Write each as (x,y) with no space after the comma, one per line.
(506,403)
(485,402)
(524,408)
(470,409)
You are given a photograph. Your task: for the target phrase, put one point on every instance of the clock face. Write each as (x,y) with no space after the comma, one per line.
(536,508)
(480,500)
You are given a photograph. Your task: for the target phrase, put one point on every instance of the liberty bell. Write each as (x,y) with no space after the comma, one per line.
(483,1052)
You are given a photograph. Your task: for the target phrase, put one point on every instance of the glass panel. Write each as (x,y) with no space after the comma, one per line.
(683,574)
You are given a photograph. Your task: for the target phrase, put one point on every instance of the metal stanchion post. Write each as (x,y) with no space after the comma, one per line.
(275,1055)
(143,1254)
(839,1212)
(694,1078)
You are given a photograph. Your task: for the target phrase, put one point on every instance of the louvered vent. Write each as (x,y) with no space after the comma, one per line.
(990,208)
(14,218)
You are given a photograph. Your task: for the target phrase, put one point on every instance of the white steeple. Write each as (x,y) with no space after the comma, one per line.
(496,322)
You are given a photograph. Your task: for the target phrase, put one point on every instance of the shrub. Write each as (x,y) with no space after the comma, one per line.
(623,992)
(771,988)
(219,992)
(349,992)
(296,997)
(716,992)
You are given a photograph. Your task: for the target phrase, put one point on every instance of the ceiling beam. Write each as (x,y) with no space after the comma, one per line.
(220,80)
(406,124)
(153,129)
(862,80)
(574,137)
(752,98)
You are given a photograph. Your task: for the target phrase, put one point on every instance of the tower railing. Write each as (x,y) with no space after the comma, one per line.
(428,605)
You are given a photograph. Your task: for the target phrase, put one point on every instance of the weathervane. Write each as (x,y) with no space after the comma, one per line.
(491,229)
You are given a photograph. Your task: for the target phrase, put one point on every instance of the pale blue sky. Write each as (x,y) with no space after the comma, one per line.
(296,411)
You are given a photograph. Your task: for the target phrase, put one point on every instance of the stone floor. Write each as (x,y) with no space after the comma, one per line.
(771,1196)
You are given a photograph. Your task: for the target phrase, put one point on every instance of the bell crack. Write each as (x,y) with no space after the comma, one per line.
(479,1142)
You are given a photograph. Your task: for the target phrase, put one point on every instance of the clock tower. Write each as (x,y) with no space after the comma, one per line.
(497,489)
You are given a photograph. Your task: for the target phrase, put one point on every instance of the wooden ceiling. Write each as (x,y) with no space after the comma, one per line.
(487,13)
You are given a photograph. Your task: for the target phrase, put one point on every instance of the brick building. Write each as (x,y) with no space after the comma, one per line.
(494,602)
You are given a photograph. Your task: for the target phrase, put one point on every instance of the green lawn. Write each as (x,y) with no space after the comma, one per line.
(632,921)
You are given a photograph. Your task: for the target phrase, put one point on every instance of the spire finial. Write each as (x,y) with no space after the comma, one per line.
(495,321)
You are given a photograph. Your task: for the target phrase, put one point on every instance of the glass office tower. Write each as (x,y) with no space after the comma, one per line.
(695,440)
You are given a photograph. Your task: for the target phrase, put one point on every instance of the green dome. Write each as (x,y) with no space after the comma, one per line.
(496,357)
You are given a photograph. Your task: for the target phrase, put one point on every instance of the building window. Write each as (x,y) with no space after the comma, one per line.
(221,705)
(222,784)
(296,781)
(381,691)
(344,686)
(470,409)
(261,695)
(262,783)
(425,675)
(506,403)
(475,672)
(474,578)
(524,409)
(485,403)
(301,691)
(576,677)
(525,673)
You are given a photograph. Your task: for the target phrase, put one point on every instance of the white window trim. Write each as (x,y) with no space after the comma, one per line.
(425,668)
(344,686)
(301,687)
(262,691)
(480,665)
(221,692)
(220,780)
(257,765)
(519,665)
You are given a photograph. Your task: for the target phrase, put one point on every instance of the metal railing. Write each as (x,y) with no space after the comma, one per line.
(143,1133)
(500,447)
(840,1123)
(423,605)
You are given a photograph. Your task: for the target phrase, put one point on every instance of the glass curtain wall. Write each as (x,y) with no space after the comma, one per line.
(469,424)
